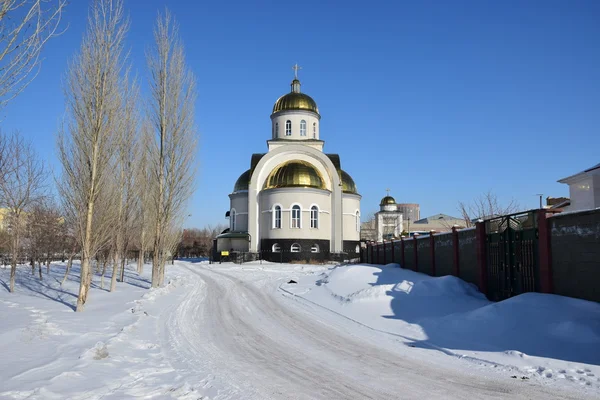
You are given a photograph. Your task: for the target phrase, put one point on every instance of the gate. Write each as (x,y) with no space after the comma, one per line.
(512,255)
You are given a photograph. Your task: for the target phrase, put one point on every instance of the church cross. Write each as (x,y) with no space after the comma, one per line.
(296,67)
(388,191)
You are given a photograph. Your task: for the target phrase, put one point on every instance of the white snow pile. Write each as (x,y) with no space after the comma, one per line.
(553,338)
(111,350)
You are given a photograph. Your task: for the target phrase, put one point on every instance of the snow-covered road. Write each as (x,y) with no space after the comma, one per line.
(259,343)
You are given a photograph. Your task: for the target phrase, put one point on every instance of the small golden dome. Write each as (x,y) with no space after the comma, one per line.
(348,185)
(294,173)
(295,100)
(243,182)
(387,200)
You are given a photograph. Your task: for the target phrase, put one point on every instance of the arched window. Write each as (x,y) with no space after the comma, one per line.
(295,248)
(303,128)
(276,131)
(357,221)
(277,217)
(288,128)
(357,250)
(296,211)
(314,217)
(314,248)
(314,130)
(232,218)
(276,248)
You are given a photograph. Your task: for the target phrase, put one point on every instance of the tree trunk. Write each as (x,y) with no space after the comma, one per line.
(123,261)
(13,271)
(69,264)
(32,266)
(142,256)
(104,261)
(48,265)
(15,255)
(113,279)
(83,283)
(40,269)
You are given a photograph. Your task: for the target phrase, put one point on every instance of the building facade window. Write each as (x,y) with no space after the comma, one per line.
(357,250)
(314,248)
(288,128)
(276,248)
(314,217)
(303,128)
(357,221)
(295,248)
(232,218)
(296,212)
(276,131)
(277,217)
(314,130)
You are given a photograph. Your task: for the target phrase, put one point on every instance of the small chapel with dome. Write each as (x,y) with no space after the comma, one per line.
(294,201)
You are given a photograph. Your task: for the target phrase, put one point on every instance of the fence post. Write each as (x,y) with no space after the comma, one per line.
(455,249)
(481,255)
(544,253)
(372,255)
(378,258)
(432,251)
(402,252)
(384,254)
(392,242)
(416,253)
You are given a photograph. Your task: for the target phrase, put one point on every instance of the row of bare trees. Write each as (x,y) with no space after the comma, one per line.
(128,164)
(198,242)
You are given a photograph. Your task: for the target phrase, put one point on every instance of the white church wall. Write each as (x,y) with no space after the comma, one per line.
(239,203)
(295,117)
(350,204)
(287,197)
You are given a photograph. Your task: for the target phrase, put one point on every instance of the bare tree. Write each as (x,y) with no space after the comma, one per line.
(485,206)
(171,110)
(144,209)
(25,27)
(87,145)
(21,187)
(127,158)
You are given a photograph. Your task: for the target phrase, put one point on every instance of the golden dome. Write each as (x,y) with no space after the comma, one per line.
(348,185)
(294,173)
(243,182)
(295,100)
(387,200)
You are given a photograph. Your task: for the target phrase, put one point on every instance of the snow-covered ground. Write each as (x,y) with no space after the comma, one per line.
(226,331)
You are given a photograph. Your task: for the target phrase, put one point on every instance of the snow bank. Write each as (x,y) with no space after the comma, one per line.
(546,336)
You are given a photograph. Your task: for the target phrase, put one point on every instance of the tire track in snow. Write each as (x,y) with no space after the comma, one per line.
(261,349)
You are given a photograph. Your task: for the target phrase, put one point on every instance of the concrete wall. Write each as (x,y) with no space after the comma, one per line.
(575,247)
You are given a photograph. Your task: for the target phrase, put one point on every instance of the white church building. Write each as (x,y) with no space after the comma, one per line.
(295,201)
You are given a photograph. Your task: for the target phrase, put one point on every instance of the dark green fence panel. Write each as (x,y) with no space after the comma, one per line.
(424,260)
(467,254)
(444,254)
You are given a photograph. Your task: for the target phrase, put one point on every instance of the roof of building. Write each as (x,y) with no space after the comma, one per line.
(568,178)
(436,218)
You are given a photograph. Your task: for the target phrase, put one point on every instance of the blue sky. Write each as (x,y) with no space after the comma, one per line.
(439,101)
